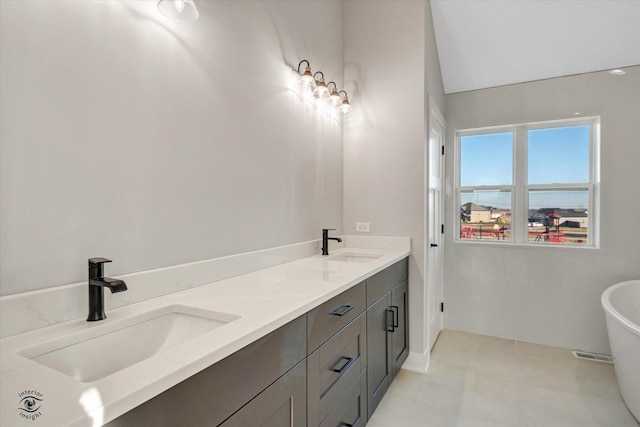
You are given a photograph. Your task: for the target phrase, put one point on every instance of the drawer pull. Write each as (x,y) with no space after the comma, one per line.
(343,424)
(392,325)
(341,310)
(347,362)
(396,315)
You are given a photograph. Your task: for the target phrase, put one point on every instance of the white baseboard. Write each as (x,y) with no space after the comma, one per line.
(417,362)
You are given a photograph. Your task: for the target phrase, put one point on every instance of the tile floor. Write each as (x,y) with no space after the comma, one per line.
(481,381)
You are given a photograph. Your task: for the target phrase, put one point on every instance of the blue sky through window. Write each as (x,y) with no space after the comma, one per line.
(555,156)
(496,199)
(486,159)
(558,155)
(577,199)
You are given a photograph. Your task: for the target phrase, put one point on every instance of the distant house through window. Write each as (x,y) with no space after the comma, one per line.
(533,183)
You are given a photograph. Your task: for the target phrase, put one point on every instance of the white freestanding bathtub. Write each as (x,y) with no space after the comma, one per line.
(621,304)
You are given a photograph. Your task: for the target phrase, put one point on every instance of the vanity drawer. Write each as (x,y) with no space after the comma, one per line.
(333,368)
(352,409)
(382,282)
(327,319)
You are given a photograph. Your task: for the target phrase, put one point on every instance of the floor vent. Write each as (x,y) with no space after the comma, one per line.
(592,356)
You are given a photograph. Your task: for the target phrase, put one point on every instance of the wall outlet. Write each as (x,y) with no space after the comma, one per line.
(362,227)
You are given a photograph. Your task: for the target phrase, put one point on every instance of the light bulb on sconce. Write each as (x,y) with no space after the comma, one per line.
(334,98)
(306,77)
(345,107)
(321,90)
(304,80)
(179,10)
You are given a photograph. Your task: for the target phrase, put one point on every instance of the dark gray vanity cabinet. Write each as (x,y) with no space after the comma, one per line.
(351,410)
(387,329)
(282,404)
(338,343)
(400,330)
(328,368)
(330,317)
(379,358)
(255,385)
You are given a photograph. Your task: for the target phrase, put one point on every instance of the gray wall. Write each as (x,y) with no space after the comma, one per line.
(392,64)
(155,143)
(544,295)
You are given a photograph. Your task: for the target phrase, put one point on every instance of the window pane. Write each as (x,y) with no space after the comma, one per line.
(486,159)
(485,215)
(559,217)
(559,155)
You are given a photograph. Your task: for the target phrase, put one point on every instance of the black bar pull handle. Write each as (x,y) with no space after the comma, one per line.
(343,424)
(396,315)
(434,245)
(341,369)
(341,310)
(392,326)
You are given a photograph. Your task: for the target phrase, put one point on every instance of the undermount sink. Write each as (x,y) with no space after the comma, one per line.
(355,257)
(104,349)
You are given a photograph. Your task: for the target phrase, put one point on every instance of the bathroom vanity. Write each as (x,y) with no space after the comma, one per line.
(311,342)
(312,371)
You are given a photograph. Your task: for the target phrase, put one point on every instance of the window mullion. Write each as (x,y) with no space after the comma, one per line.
(519,217)
(594,194)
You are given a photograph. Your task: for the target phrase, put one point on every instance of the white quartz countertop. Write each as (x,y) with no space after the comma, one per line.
(264,300)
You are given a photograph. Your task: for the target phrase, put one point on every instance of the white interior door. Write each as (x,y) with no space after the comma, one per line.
(435,224)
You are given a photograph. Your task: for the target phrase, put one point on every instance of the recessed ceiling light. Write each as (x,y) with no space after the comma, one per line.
(576,113)
(617,72)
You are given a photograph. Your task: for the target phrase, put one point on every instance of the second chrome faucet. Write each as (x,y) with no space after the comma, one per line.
(326,238)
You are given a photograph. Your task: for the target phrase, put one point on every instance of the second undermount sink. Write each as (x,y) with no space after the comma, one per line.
(355,257)
(104,349)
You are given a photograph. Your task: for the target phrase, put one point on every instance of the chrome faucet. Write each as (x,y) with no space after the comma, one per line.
(326,238)
(97,283)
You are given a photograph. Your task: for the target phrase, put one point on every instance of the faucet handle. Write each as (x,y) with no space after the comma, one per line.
(96,262)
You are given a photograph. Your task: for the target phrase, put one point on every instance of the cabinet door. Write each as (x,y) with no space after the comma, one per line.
(400,334)
(282,404)
(379,358)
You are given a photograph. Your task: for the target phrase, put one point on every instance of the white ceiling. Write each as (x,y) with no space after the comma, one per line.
(487,43)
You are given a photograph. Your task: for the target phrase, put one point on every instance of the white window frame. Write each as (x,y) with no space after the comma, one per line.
(520,188)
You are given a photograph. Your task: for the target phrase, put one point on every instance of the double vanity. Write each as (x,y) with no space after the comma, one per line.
(311,342)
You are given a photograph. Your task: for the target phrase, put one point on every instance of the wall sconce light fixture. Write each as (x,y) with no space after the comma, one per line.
(320,90)
(179,10)
(306,77)
(334,97)
(345,107)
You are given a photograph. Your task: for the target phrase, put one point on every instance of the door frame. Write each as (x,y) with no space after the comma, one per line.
(434,114)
